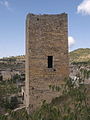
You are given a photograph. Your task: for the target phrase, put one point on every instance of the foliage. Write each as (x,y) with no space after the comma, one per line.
(7,89)
(16,115)
(16,78)
(85,74)
(3,117)
(72,105)
(19,115)
(10,103)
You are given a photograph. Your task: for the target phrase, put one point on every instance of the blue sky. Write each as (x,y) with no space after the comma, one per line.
(13,15)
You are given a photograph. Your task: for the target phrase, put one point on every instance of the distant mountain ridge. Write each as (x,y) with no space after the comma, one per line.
(78,55)
(20,57)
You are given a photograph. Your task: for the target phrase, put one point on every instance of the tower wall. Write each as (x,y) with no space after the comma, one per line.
(46,35)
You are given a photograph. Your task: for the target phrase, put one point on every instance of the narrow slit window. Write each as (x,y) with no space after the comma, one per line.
(23,97)
(50,61)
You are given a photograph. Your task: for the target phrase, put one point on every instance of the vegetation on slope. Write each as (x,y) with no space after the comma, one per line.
(13,58)
(71,105)
(8,95)
(80,55)
(76,56)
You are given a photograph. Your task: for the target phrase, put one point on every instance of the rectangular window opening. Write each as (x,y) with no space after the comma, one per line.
(50,61)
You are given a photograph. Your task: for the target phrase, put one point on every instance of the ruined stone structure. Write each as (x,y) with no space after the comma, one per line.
(46,57)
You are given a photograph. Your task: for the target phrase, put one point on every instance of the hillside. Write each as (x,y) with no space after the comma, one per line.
(80,55)
(16,63)
(13,58)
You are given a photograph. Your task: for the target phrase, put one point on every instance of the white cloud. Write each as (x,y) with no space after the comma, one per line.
(71,41)
(84,7)
(5,3)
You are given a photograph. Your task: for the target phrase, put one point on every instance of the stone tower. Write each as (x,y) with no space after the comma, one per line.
(46,57)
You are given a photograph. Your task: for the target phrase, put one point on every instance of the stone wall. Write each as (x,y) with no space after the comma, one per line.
(46,35)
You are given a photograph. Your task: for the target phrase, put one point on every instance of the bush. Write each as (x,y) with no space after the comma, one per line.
(10,103)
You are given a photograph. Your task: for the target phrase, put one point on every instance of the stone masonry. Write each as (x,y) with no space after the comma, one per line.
(46,43)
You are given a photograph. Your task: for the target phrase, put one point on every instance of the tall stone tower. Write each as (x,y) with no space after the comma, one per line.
(46,57)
